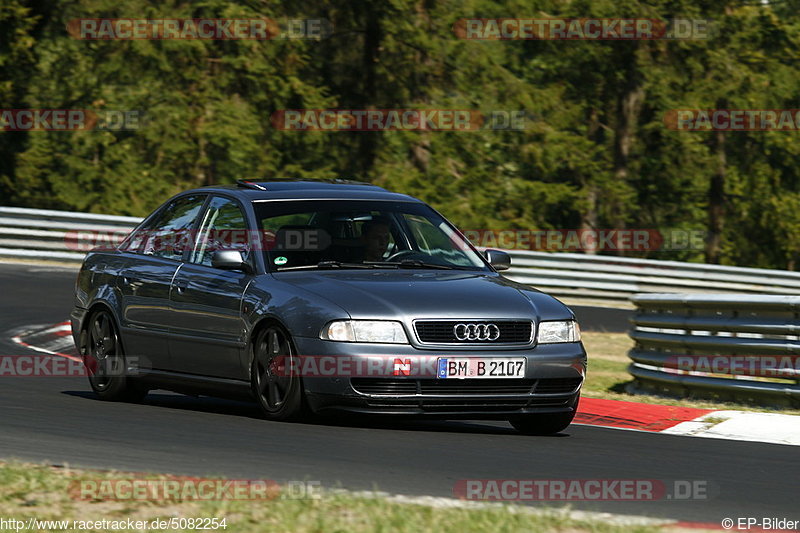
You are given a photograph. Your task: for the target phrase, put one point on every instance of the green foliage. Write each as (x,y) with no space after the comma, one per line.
(595,152)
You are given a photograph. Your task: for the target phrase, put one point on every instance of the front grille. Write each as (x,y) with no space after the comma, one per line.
(473,405)
(408,387)
(400,387)
(557,385)
(441,331)
(476,386)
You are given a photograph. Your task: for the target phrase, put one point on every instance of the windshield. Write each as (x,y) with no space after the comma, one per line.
(361,234)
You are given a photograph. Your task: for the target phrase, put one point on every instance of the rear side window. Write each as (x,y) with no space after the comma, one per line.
(169,234)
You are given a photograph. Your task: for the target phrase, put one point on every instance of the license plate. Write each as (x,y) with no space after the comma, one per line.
(474,367)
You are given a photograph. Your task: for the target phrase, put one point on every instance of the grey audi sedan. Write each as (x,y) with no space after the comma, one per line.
(316,296)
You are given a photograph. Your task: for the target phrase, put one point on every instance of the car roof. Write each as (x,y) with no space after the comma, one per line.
(306,189)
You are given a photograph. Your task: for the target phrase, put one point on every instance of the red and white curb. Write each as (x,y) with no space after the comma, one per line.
(633,415)
(772,428)
(53,339)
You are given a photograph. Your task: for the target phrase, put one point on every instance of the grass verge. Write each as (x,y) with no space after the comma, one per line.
(44,493)
(608,377)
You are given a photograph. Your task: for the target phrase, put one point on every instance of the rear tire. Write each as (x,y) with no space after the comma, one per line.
(275,384)
(105,361)
(546,423)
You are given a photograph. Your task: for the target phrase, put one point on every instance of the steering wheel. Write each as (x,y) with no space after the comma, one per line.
(398,255)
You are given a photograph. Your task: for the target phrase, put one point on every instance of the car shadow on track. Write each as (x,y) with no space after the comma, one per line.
(208,404)
(203,404)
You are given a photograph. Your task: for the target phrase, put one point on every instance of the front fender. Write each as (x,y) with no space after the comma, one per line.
(301,312)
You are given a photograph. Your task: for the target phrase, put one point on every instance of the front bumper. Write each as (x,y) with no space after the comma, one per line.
(553,378)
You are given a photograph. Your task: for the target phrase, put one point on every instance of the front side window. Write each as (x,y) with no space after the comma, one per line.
(223,227)
(361,234)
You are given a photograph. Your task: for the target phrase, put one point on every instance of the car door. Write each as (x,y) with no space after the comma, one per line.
(154,255)
(208,334)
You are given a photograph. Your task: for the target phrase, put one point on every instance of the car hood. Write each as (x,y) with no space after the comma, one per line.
(412,294)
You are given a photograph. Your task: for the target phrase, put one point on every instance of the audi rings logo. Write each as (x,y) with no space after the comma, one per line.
(476,332)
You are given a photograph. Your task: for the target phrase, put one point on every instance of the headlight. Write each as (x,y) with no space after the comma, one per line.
(558,331)
(381,331)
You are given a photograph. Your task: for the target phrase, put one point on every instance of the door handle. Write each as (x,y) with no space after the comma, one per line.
(181,286)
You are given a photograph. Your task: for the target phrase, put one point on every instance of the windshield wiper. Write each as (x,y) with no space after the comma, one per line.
(329,264)
(342,264)
(405,263)
(414,263)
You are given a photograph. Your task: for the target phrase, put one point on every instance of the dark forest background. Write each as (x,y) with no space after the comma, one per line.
(596,153)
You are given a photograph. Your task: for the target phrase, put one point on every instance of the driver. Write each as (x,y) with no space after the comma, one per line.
(375,236)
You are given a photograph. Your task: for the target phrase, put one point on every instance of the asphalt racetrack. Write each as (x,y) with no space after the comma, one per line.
(59,420)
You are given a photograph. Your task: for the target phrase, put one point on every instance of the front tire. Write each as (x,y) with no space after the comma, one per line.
(273,377)
(105,362)
(546,423)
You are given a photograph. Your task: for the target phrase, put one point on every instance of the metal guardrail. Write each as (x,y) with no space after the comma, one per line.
(619,278)
(722,346)
(56,236)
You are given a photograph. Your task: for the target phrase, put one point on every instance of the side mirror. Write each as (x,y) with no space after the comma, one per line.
(499,260)
(230,260)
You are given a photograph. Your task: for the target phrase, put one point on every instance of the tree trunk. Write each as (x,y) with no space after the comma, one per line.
(589,218)
(589,212)
(368,141)
(716,202)
(629,105)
